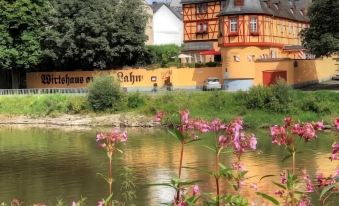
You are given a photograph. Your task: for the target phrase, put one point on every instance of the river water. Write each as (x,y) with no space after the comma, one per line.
(44,165)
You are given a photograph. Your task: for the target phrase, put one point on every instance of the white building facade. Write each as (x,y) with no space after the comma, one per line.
(167,25)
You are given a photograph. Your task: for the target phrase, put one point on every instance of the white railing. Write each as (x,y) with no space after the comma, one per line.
(43,91)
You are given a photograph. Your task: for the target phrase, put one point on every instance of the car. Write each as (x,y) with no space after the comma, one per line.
(336,75)
(211,83)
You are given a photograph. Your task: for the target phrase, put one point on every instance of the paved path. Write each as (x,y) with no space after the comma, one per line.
(328,85)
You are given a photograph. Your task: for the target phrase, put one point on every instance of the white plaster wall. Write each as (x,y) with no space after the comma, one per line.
(167,27)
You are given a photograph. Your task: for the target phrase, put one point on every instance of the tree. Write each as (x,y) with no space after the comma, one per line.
(322,37)
(96,33)
(21,27)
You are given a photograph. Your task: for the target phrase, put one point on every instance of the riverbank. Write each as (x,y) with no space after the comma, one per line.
(77,120)
(261,107)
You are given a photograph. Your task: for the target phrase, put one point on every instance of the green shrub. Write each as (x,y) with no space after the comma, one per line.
(276,98)
(49,105)
(316,105)
(77,104)
(104,93)
(135,100)
(217,100)
(163,54)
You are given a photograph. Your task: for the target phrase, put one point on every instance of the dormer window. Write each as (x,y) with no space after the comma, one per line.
(238,2)
(202,8)
(301,12)
(276,6)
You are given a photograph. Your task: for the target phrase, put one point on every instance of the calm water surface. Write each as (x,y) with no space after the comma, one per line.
(43,165)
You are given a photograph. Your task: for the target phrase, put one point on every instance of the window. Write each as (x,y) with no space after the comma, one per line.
(233,25)
(201,8)
(202,27)
(253,25)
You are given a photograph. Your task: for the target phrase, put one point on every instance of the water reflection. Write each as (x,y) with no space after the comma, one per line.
(41,165)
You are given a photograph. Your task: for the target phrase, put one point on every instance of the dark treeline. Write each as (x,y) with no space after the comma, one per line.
(72,34)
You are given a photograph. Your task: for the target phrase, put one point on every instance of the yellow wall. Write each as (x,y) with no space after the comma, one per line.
(184,77)
(245,67)
(305,71)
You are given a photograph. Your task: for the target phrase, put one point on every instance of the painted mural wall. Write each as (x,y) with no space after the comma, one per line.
(141,79)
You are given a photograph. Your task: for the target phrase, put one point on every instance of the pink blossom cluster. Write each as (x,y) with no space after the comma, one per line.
(195,192)
(159,116)
(336,123)
(323,181)
(304,202)
(335,152)
(308,182)
(116,136)
(235,136)
(306,131)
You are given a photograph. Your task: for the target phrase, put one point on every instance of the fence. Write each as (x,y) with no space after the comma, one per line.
(43,91)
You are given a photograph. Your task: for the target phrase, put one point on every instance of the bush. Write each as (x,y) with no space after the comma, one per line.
(135,100)
(162,54)
(315,104)
(77,105)
(276,98)
(104,93)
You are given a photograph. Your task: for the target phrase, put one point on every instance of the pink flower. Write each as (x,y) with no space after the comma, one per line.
(124,136)
(100,136)
(283,177)
(308,182)
(288,121)
(253,142)
(217,125)
(74,203)
(101,203)
(335,152)
(222,141)
(254,186)
(336,123)
(238,166)
(304,202)
(159,116)
(318,125)
(196,190)
(181,203)
(279,135)
(184,114)
(279,193)
(308,132)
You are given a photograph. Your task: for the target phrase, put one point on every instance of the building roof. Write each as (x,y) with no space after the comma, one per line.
(288,9)
(175,10)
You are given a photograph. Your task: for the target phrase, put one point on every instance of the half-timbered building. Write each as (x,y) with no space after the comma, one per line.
(201,29)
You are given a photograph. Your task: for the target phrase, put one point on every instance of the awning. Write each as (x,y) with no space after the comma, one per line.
(210,52)
(293,48)
(183,56)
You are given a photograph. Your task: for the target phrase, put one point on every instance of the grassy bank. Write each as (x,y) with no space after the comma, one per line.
(258,108)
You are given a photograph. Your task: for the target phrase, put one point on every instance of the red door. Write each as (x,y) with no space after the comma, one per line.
(271,77)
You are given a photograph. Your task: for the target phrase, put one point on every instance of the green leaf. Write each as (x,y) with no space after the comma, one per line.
(177,135)
(266,176)
(286,157)
(327,189)
(108,199)
(279,185)
(210,148)
(270,198)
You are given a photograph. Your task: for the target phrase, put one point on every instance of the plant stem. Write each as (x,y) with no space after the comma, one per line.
(180,167)
(217,176)
(293,171)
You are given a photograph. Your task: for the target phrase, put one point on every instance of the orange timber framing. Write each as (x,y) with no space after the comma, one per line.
(192,18)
